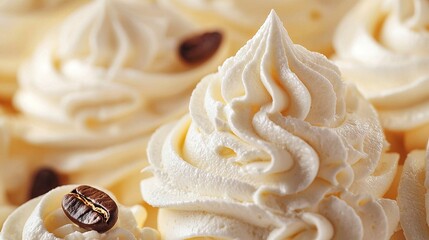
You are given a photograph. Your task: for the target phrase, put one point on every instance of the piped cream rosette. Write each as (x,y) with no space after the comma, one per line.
(276,147)
(100,84)
(23,24)
(383,47)
(43,218)
(413,195)
(309,23)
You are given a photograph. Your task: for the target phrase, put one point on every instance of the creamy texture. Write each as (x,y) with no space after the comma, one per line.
(43,218)
(413,196)
(276,147)
(383,47)
(100,84)
(23,23)
(309,23)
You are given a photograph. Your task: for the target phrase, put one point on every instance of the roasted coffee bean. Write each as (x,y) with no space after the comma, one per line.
(90,208)
(44,181)
(198,49)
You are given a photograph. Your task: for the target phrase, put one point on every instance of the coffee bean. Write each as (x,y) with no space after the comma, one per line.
(44,181)
(90,208)
(198,49)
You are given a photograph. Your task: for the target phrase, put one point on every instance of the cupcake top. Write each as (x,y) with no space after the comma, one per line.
(45,218)
(276,146)
(310,23)
(413,195)
(383,47)
(112,70)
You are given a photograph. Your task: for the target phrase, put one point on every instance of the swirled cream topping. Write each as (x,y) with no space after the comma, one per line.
(110,71)
(383,46)
(99,85)
(43,218)
(276,146)
(309,23)
(17,19)
(413,195)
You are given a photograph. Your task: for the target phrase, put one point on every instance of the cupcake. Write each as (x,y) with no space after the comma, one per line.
(276,146)
(101,83)
(23,23)
(76,212)
(383,47)
(310,23)
(413,195)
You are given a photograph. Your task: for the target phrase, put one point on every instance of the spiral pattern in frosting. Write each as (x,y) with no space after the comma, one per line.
(276,146)
(383,47)
(43,218)
(109,71)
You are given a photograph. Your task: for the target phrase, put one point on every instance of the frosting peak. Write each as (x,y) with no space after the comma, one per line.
(282,77)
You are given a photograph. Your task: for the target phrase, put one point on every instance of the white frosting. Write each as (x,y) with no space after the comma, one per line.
(43,218)
(100,84)
(277,147)
(309,23)
(383,46)
(413,195)
(17,18)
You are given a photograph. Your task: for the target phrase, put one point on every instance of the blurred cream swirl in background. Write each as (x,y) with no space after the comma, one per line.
(383,47)
(99,85)
(23,23)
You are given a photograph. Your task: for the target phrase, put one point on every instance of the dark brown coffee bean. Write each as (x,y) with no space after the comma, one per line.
(44,181)
(200,48)
(90,208)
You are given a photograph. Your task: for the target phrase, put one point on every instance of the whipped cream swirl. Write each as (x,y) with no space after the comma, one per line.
(309,23)
(100,84)
(108,72)
(43,218)
(276,147)
(383,46)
